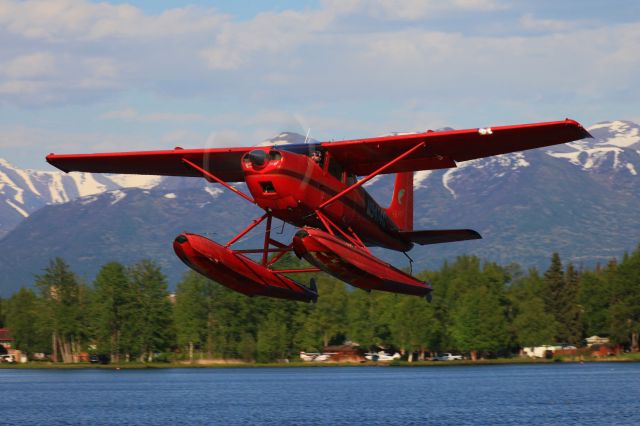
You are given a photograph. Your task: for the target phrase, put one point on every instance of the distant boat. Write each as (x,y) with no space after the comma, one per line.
(381,356)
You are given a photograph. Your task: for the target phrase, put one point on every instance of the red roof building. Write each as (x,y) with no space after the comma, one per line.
(5,338)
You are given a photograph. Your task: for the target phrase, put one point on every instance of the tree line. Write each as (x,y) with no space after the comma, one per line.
(479,308)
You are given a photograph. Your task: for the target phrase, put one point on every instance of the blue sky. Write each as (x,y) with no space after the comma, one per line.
(81,76)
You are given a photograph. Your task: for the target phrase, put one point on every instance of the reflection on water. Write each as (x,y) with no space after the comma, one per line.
(511,394)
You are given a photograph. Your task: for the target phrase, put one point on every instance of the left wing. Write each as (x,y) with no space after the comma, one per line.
(224,163)
(444,149)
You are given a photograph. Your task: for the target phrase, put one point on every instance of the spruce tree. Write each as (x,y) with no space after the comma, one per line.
(151,316)
(111,313)
(531,323)
(625,302)
(572,312)
(64,308)
(595,298)
(561,300)
(191,312)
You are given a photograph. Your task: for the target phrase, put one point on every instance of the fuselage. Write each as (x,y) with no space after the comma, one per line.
(292,185)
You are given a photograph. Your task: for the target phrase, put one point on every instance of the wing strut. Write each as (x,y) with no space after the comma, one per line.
(353,239)
(210,175)
(372,175)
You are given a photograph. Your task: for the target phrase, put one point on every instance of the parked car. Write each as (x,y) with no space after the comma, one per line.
(448,356)
(7,358)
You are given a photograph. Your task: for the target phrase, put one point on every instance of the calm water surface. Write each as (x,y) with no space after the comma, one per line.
(508,394)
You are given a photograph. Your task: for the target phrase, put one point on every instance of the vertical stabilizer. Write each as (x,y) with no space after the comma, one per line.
(401,208)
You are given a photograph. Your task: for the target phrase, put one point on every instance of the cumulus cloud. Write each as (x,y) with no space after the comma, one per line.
(86,51)
(409,10)
(130,114)
(335,64)
(31,65)
(72,20)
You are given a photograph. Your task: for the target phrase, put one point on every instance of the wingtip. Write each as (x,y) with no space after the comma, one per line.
(584,133)
(475,233)
(50,159)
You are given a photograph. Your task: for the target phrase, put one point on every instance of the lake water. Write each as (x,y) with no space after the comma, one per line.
(596,393)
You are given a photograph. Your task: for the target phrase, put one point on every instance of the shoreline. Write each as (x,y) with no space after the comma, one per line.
(38,365)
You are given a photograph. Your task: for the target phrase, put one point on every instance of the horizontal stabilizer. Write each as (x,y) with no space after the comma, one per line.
(440,236)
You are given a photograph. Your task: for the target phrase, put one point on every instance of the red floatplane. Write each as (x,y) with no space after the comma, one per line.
(315,187)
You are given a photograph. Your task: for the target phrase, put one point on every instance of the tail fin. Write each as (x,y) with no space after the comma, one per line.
(401,208)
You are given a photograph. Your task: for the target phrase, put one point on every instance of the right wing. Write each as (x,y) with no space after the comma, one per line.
(222,162)
(440,236)
(443,149)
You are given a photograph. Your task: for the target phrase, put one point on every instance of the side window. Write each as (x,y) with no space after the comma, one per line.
(351,179)
(318,158)
(335,169)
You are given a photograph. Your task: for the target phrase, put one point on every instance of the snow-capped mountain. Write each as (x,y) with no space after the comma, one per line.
(612,156)
(22,192)
(612,148)
(580,199)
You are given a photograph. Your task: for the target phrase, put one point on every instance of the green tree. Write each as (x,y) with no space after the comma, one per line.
(24,318)
(65,308)
(561,300)
(595,298)
(360,314)
(192,312)
(327,318)
(151,326)
(272,342)
(2,312)
(414,326)
(479,323)
(112,309)
(532,325)
(625,302)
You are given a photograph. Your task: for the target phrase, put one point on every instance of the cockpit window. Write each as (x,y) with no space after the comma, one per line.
(335,169)
(318,158)
(351,179)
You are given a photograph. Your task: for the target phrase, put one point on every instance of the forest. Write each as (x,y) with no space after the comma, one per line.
(479,308)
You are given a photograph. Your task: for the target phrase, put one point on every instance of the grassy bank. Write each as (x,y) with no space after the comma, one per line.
(635,357)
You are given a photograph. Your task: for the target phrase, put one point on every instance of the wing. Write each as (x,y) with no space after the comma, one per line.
(444,149)
(224,163)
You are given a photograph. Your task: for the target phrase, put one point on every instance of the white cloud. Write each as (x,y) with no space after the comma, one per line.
(409,10)
(335,64)
(72,20)
(31,65)
(20,87)
(268,33)
(130,114)
(530,22)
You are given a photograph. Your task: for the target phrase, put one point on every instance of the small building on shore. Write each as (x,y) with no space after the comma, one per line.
(6,341)
(596,340)
(544,351)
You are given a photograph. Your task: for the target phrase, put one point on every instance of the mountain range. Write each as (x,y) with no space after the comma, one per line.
(580,199)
